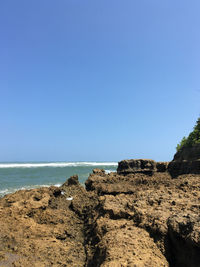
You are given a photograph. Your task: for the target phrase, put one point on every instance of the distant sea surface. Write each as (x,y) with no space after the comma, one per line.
(27,175)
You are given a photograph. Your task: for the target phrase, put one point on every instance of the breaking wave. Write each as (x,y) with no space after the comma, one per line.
(56,164)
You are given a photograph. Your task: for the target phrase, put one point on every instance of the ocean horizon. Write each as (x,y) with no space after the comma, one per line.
(27,175)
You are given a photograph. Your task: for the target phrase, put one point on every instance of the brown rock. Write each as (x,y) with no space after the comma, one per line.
(161,166)
(98,171)
(137,203)
(73,180)
(37,228)
(135,219)
(186,161)
(123,244)
(184,232)
(176,168)
(188,153)
(146,166)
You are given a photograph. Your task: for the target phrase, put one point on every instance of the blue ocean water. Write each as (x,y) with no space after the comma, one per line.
(26,175)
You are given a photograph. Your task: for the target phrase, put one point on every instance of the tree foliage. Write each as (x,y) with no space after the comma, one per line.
(192,139)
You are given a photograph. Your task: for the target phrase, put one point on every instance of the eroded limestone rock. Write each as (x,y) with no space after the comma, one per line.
(135,219)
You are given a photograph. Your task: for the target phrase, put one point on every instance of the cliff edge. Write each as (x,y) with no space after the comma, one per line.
(185,161)
(187,158)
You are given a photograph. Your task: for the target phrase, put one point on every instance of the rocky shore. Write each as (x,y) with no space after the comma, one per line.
(145,214)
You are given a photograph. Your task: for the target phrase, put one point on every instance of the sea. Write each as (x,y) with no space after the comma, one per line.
(26,175)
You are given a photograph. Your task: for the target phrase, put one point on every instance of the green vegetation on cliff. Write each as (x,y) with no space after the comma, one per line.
(192,139)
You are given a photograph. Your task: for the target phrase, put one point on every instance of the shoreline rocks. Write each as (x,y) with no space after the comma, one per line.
(137,216)
(178,166)
(190,153)
(185,161)
(145,166)
(163,211)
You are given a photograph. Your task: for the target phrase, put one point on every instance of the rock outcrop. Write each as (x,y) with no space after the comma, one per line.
(177,168)
(188,153)
(138,218)
(40,228)
(186,161)
(160,214)
(145,166)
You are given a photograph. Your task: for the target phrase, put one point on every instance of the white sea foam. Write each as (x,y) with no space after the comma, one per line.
(57,185)
(56,164)
(4,191)
(109,171)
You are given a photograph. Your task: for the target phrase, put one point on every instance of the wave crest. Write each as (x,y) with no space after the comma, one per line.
(56,164)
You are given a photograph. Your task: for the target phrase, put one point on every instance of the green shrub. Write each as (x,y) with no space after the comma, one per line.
(192,139)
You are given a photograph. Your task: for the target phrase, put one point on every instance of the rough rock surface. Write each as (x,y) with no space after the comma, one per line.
(145,166)
(163,210)
(134,219)
(186,161)
(39,228)
(188,153)
(176,168)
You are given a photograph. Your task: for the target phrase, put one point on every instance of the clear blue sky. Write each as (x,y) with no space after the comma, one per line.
(97,80)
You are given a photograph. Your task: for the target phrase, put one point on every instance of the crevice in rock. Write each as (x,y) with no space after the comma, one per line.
(184,252)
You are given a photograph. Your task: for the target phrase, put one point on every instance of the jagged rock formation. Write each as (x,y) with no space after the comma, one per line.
(145,166)
(186,161)
(157,209)
(188,153)
(39,228)
(129,219)
(177,168)
(187,158)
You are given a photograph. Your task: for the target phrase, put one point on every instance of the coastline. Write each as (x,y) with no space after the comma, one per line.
(139,215)
(29,175)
